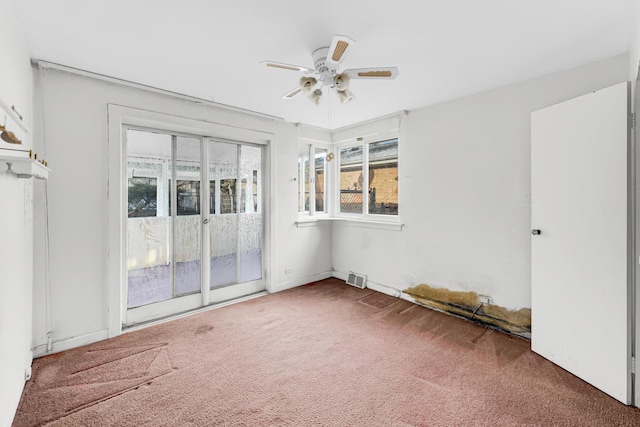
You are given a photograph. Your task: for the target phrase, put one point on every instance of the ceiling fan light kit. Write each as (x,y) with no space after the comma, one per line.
(307,84)
(326,62)
(315,97)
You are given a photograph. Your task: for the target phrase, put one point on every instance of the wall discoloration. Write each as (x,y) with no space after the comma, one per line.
(468,305)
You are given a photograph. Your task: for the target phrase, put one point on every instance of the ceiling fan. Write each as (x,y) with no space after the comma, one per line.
(326,62)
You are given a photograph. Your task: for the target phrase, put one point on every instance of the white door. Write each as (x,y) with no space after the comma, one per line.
(580,282)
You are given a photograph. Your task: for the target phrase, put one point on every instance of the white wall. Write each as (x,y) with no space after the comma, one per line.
(634,60)
(16,226)
(76,137)
(465,191)
(634,48)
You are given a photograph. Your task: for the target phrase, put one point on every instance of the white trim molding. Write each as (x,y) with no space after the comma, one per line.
(69,343)
(302,281)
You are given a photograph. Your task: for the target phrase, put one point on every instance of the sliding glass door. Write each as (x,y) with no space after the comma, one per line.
(179,213)
(236,219)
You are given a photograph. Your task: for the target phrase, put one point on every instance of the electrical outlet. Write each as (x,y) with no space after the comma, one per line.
(288,270)
(484,299)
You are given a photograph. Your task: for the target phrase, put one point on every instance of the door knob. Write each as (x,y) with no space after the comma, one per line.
(535,231)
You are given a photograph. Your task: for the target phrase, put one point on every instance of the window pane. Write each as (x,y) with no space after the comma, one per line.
(319,178)
(228,196)
(351,180)
(383,177)
(143,197)
(188,197)
(255,191)
(303,178)
(243,195)
(212,197)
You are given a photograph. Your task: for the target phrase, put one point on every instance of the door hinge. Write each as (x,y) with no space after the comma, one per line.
(633,365)
(633,120)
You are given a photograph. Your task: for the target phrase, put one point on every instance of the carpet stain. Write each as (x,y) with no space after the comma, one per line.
(203,329)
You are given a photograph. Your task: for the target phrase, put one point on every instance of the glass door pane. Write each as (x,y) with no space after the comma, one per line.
(164,250)
(186,234)
(223,225)
(250,228)
(149,265)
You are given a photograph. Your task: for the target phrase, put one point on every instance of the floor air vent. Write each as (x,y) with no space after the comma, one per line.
(357,280)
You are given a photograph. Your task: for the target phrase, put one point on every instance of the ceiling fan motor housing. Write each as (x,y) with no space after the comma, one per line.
(325,70)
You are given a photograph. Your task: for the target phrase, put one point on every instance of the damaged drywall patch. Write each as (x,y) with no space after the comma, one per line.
(468,305)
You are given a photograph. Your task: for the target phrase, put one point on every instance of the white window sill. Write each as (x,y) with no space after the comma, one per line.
(365,223)
(368,223)
(306,223)
(311,220)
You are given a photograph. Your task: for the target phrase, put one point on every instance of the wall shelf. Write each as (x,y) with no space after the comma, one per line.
(14,116)
(20,164)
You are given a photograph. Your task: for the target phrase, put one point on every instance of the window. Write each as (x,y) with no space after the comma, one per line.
(369,178)
(228,196)
(188,197)
(351,177)
(319,178)
(312,179)
(143,197)
(303,178)
(383,177)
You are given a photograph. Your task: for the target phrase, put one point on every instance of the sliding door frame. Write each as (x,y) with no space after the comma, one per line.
(119,118)
(176,303)
(230,291)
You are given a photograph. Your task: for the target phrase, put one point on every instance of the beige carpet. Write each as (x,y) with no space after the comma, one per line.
(325,354)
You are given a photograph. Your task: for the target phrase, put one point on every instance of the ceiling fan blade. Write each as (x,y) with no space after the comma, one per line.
(292,93)
(284,66)
(373,73)
(340,46)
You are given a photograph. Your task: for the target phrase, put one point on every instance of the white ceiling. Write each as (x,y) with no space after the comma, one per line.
(212,49)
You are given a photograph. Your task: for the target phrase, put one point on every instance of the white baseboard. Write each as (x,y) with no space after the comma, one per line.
(69,343)
(301,281)
(27,366)
(378,287)
(339,275)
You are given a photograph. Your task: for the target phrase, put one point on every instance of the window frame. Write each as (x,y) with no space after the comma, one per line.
(364,142)
(311,212)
